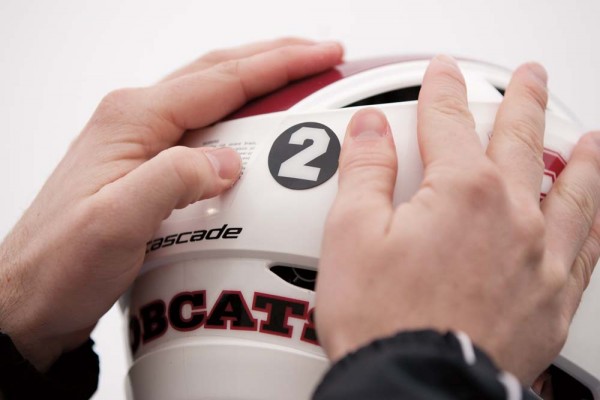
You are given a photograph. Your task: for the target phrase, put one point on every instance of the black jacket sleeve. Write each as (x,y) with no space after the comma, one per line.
(419,365)
(410,365)
(73,376)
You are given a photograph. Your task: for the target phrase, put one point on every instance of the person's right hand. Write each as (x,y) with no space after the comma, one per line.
(83,240)
(472,250)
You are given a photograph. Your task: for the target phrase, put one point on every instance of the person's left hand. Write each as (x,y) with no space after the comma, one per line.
(82,241)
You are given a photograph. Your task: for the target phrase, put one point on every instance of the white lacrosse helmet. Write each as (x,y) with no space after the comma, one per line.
(224,305)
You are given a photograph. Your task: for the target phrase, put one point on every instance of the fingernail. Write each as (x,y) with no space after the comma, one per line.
(368,124)
(443,58)
(331,46)
(226,162)
(538,71)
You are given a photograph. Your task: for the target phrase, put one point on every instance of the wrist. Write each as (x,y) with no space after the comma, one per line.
(31,333)
(32,312)
(18,317)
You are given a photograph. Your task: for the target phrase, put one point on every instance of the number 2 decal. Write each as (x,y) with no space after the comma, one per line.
(296,166)
(304,156)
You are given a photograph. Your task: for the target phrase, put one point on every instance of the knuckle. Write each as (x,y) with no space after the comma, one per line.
(231,67)
(105,204)
(368,162)
(118,101)
(583,268)
(482,183)
(452,77)
(120,107)
(214,56)
(346,219)
(184,164)
(339,216)
(578,198)
(453,108)
(289,40)
(562,332)
(535,90)
(586,260)
(554,279)
(183,160)
(531,219)
(450,96)
(594,137)
(364,158)
(285,52)
(231,72)
(526,131)
(590,144)
(101,204)
(530,227)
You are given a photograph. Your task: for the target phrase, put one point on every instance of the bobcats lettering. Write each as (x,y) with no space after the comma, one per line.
(188,311)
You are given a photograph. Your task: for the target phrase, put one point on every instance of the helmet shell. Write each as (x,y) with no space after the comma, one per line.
(224,306)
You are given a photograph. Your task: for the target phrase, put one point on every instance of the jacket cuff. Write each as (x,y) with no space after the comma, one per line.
(419,365)
(73,376)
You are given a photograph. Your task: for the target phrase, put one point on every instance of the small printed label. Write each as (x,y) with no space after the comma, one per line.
(245,148)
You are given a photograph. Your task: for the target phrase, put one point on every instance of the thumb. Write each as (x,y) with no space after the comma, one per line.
(368,166)
(173,179)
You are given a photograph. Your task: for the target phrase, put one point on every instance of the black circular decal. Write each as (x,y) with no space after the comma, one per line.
(304,156)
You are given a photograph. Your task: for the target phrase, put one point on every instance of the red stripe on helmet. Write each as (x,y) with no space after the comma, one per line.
(293,93)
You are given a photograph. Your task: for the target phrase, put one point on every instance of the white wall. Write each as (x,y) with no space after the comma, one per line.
(58,58)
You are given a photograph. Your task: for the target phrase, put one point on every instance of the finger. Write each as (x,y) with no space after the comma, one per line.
(583,267)
(518,140)
(197,100)
(219,56)
(173,179)
(572,204)
(446,128)
(157,116)
(223,88)
(368,166)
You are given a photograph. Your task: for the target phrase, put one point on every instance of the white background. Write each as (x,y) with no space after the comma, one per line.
(58,58)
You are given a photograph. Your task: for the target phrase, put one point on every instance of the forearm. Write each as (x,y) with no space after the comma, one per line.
(21,311)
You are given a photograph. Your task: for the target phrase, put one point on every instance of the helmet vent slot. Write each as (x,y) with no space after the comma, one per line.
(394,96)
(301,277)
(565,386)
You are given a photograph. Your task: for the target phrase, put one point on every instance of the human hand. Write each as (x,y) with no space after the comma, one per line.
(472,251)
(82,241)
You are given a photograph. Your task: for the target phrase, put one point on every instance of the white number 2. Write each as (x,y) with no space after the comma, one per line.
(295,166)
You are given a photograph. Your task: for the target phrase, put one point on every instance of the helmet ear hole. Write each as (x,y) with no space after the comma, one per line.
(300,277)
(393,96)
